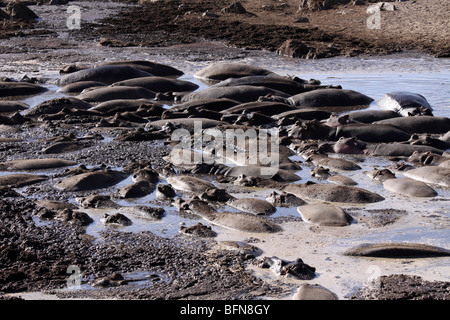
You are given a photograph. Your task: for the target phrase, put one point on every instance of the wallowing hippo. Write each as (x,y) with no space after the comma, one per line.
(159,84)
(237,221)
(239,93)
(10,89)
(154,68)
(405,103)
(107,74)
(223,71)
(333,193)
(103,94)
(420,124)
(91,180)
(330,98)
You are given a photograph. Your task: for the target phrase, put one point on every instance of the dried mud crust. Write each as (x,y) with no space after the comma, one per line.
(420,25)
(36,258)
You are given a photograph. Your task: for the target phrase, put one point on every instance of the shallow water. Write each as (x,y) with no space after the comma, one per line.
(427,221)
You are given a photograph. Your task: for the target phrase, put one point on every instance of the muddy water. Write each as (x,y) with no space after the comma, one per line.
(425,221)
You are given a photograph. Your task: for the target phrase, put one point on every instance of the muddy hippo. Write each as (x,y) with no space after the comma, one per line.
(330,98)
(116,219)
(398,150)
(283,84)
(232,220)
(369,116)
(320,159)
(257,171)
(364,132)
(333,193)
(252,205)
(284,199)
(12,106)
(304,114)
(112,107)
(103,94)
(19,180)
(289,269)
(265,107)
(397,250)
(144,183)
(342,180)
(91,180)
(13,89)
(107,74)
(159,84)
(35,164)
(225,70)
(189,184)
(435,175)
(154,68)
(409,187)
(78,87)
(207,104)
(56,105)
(349,146)
(405,103)
(188,123)
(239,93)
(314,292)
(324,215)
(427,158)
(419,124)
(427,140)
(142,211)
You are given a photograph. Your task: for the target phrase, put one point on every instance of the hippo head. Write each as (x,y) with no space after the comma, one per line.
(312,130)
(424,158)
(146,174)
(349,145)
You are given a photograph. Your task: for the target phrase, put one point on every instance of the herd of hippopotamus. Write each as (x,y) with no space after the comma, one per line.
(320,123)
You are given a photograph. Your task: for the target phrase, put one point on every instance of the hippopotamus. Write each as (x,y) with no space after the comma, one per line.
(397,250)
(364,132)
(112,107)
(233,220)
(381,175)
(116,219)
(284,199)
(35,164)
(282,84)
(427,158)
(252,205)
(289,269)
(56,105)
(154,68)
(189,184)
(12,106)
(409,187)
(330,98)
(78,87)
(207,104)
(405,103)
(369,116)
(103,94)
(342,180)
(91,180)
(107,74)
(14,89)
(303,114)
(225,70)
(333,193)
(159,84)
(265,107)
(349,146)
(420,124)
(435,175)
(144,183)
(187,123)
(314,292)
(324,214)
(19,180)
(321,159)
(239,93)
(398,150)
(142,211)
(427,140)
